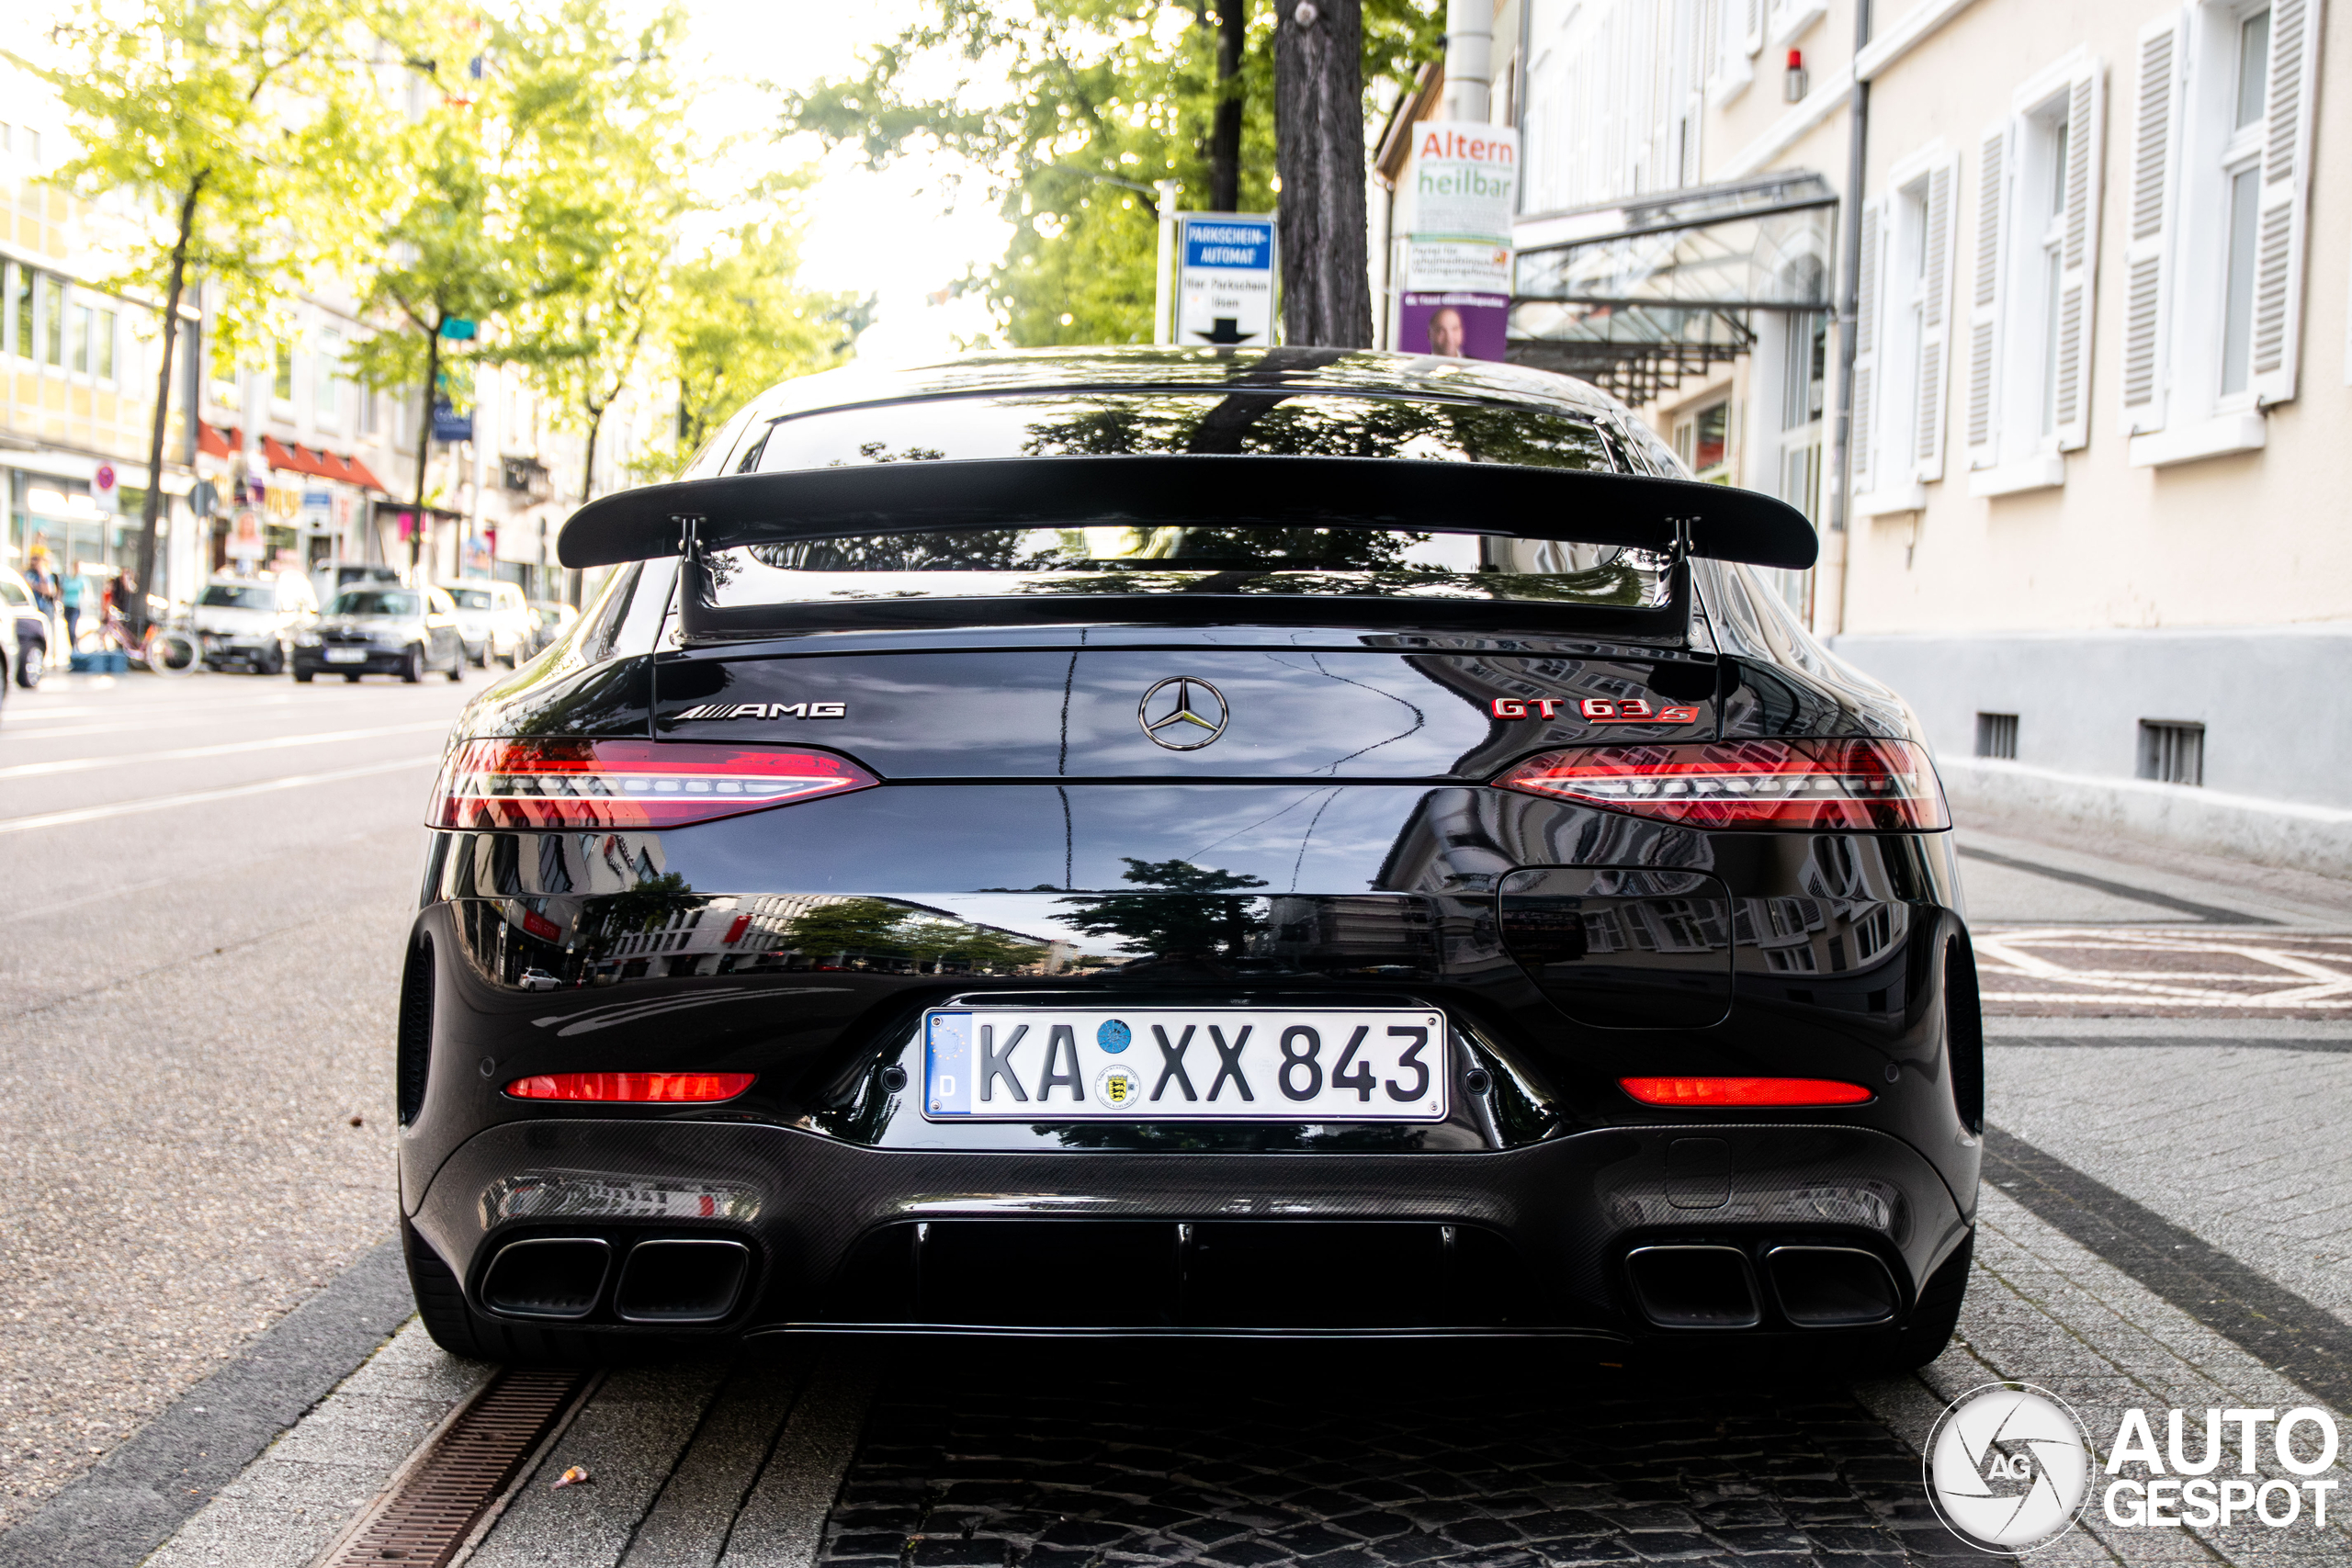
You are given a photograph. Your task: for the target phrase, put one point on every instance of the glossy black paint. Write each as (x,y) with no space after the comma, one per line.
(1339,842)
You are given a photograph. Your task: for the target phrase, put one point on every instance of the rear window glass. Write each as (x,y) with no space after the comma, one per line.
(374,602)
(1080,562)
(1220,557)
(1066,424)
(242,596)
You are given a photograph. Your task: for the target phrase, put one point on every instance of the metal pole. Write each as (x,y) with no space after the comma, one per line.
(1164,307)
(1469,60)
(1858,127)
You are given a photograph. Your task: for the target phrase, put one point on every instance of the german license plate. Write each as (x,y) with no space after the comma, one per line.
(346,656)
(1191,1064)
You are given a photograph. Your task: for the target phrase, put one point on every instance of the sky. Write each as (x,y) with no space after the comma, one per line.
(898,233)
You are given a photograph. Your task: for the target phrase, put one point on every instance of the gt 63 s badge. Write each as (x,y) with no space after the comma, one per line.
(765,710)
(1595,710)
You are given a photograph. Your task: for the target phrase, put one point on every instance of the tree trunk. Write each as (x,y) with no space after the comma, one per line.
(588,460)
(153,508)
(424,452)
(1319,152)
(1225,130)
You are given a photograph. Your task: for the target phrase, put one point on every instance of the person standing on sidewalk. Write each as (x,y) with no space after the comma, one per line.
(70,593)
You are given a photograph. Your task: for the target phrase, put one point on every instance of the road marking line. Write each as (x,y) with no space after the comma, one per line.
(80,764)
(159,803)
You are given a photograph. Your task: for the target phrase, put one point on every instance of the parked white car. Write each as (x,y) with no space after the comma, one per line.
(494,620)
(251,622)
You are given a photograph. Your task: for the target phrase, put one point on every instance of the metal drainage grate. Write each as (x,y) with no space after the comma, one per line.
(421,1522)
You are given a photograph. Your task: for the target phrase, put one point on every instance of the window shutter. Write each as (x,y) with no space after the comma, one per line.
(2286,168)
(2078,259)
(2156,157)
(1985,305)
(1940,238)
(1753,38)
(1863,430)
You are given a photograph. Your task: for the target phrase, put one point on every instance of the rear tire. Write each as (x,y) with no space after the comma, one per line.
(457,670)
(351,679)
(413,666)
(305,677)
(32,663)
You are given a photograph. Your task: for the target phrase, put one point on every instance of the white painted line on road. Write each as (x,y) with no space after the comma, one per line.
(226,749)
(164,802)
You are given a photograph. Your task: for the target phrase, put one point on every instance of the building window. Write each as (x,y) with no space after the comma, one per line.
(2220,171)
(2172,750)
(103,347)
(16,308)
(326,383)
(1997,735)
(53,311)
(1904,308)
(281,381)
(1702,440)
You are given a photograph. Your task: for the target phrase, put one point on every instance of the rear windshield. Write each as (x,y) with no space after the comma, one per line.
(1219,558)
(471,598)
(241,597)
(374,602)
(1116,559)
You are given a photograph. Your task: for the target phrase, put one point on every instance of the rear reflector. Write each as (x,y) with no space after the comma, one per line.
(625,784)
(1743,1091)
(1832,784)
(658,1088)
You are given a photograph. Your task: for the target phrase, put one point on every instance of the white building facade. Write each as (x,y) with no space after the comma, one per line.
(2039,309)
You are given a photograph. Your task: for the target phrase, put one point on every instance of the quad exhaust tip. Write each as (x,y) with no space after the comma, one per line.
(1704,1285)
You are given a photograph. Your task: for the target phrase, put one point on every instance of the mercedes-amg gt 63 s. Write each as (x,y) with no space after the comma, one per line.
(1191,843)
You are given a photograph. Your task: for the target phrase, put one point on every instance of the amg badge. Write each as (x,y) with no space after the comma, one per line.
(764,710)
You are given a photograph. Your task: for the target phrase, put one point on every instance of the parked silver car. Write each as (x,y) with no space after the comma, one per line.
(251,623)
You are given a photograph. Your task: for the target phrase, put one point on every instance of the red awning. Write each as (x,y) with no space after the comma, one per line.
(218,441)
(361,476)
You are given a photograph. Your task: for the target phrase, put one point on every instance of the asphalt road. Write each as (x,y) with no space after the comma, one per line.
(208,879)
(195,1013)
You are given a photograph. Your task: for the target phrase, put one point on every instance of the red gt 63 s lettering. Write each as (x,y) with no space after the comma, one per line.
(1595,710)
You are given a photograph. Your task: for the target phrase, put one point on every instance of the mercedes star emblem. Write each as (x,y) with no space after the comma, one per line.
(1188,717)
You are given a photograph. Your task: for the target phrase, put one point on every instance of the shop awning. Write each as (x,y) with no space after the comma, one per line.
(1637,295)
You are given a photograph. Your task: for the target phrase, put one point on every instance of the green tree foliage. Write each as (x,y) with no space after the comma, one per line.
(230,120)
(733,323)
(1071,105)
(880,929)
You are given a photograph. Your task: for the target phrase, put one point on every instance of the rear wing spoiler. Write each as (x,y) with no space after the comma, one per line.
(1680,517)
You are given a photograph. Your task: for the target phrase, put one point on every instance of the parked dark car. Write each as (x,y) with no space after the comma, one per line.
(24,657)
(1191,843)
(383,631)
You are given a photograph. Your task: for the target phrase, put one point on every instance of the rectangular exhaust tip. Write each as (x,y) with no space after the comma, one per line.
(557,1277)
(1693,1287)
(688,1280)
(1832,1287)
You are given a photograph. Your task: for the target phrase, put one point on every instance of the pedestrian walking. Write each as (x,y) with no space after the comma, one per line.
(40,579)
(70,595)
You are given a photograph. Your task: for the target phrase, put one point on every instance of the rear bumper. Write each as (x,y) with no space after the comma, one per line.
(1533,1241)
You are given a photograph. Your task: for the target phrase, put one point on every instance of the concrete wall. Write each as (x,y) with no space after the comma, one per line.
(2276,702)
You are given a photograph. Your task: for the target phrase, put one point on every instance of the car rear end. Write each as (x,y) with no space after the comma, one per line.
(1220,929)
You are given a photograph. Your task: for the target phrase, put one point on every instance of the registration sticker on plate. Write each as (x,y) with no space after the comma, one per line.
(1175,1064)
(346,656)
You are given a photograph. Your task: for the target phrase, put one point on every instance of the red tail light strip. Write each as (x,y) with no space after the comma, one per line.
(646,1089)
(1839,785)
(626,783)
(1740,1092)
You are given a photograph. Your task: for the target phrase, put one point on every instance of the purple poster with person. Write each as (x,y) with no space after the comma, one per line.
(1453,325)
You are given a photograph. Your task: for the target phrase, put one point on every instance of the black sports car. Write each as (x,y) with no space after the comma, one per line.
(1190,842)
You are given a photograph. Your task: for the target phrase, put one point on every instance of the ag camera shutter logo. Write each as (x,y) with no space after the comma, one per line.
(2009,1467)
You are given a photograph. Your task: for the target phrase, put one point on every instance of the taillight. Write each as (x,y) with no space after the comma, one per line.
(1834,785)
(1735,1092)
(644,1089)
(625,784)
